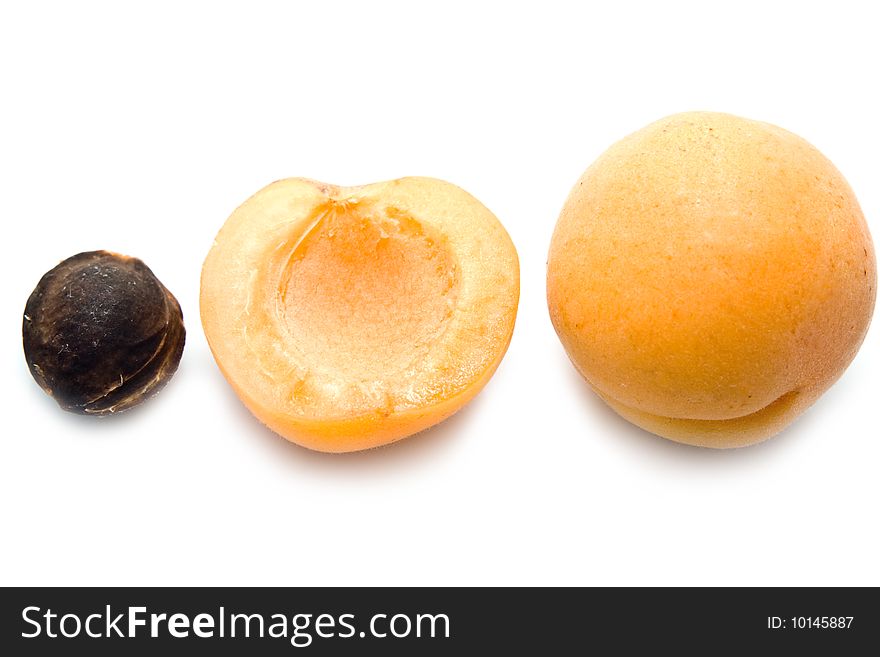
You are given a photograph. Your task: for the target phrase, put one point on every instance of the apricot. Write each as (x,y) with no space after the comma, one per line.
(710,277)
(349,317)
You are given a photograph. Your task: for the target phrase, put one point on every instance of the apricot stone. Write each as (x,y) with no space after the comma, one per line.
(349,317)
(101,333)
(710,277)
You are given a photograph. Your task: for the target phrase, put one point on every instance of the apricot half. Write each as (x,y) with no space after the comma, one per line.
(710,277)
(349,317)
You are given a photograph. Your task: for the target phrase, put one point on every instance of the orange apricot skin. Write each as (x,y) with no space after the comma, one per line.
(711,277)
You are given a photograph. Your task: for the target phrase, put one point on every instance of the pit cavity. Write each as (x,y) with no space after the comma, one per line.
(366,292)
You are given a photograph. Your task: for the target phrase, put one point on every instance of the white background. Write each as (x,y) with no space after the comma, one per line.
(139,129)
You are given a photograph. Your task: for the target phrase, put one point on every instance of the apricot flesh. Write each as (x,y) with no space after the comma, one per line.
(350,317)
(711,277)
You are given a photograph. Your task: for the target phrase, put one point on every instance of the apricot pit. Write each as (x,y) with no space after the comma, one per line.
(101,334)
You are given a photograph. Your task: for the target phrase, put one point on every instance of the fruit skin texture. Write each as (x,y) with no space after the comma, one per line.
(710,277)
(350,317)
(101,333)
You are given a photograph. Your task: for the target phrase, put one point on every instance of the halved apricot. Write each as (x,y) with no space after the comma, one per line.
(350,317)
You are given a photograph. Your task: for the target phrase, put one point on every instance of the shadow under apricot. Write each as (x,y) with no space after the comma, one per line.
(635,438)
(427,444)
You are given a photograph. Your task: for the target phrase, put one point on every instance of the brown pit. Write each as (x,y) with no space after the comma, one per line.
(101,333)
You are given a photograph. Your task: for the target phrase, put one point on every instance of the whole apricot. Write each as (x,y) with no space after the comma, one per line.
(710,277)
